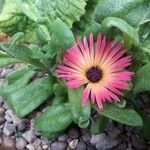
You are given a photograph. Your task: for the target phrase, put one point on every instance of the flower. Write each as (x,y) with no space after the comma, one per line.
(99,67)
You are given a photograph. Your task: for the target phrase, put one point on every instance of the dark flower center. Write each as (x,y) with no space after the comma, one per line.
(94,74)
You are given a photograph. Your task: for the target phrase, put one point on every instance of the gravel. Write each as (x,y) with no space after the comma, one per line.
(19,134)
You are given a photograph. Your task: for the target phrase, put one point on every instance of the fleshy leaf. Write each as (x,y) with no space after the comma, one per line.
(68,11)
(142,79)
(122,115)
(54,120)
(135,12)
(122,25)
(29,97)
(80,114)
(5,59)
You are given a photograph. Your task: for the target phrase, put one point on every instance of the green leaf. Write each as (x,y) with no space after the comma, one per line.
(80,114)
(122,25)
(9,16)
(26,99)
(5,59)
(146,46)
(15,81)
(68,11)
(122,115)
(133,11)
(21,52)
(99,125)
(62,37)
(142,79)
(54,120)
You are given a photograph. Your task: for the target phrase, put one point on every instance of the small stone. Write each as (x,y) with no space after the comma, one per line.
(58,145)
(29,136)
(97,138)
(1,100)
(37,143)
(138,143)
(2,112)
(20,143)
(122,146)
(73,144)
(1,141)
(8,142)
(63,137)
(22,125)
(73,133)
(106,143)
(45,147)
(114,132)
(30,147)
(8,118)
(1,132)
(9,128)
(2,121)
(5,105)
(81,146)
(86,137)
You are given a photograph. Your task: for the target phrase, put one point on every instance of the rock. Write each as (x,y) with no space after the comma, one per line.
(63,137)
(73,144)
(2,112)
(97,138)
(1,132)
(106,143)
(73,133)
(86,137)
(1,141)
(20,143)
(1,100)
(81,146)
(122,146)
(8,142)
(29,136)
(58,145)
(37,143)
(9,128)
(22,125)
(45,147)
(30,147)
(114,132)
(5,105)
(2,121)
(138,143)
(8,118)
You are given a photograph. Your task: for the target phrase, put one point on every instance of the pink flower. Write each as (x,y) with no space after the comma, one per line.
(100,67)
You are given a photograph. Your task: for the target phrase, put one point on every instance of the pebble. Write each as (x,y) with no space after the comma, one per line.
(20,143)
(29,136)
(8,118)
(1,141)
(114,132)
(30,147)
(81,146)
(22,125)
(37,143)
(73,144)
(58,145)
(62,137)
(8,142)
(2,112)
(86,137)
(106,143)
(73,133)
(97,138)
(2,121)
(45,147)
(1,100)
(9,128)
(138,143)
(1,132)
